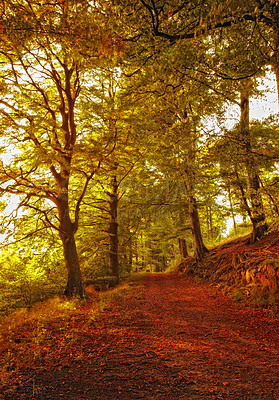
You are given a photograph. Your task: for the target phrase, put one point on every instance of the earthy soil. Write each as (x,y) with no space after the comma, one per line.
(171,338)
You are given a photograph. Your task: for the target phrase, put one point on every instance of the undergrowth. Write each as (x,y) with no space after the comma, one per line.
(33,336)
(254,297)
(247,272)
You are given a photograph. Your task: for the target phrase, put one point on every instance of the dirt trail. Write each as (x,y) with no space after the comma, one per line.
(173,339)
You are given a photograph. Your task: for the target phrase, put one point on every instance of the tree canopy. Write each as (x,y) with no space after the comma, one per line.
(113,142)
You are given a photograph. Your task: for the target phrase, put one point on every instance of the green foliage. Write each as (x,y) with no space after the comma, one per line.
(141,81)
(262,297)
(26,278)
(243,229)
(238,294)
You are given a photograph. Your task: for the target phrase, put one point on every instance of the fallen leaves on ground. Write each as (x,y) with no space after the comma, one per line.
(167,337)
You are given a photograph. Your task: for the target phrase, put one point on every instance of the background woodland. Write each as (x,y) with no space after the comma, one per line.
(116,154)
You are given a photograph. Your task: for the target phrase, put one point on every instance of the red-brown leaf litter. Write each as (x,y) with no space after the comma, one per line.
(170,337)
(249,267)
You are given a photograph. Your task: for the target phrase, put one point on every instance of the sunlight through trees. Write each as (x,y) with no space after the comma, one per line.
(115,145)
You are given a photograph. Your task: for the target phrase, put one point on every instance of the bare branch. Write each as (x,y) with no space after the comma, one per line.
(77,210)
(197,30)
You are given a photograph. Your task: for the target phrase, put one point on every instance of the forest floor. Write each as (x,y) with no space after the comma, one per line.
(163,336)
(248,272)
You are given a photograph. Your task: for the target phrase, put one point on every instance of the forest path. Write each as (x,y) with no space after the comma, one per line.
(168,338)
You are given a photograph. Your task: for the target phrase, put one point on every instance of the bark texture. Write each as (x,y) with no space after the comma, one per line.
(67,230)
(113,229)
(257,215)
(182,248)
(199,248)
(62,172)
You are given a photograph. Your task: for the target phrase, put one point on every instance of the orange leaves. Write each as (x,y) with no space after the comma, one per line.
(111,46)
(170,13)
(2,28)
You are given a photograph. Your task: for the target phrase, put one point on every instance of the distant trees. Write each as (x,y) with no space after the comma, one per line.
(233,42)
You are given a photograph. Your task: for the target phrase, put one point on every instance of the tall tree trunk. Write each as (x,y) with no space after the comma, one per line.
(276,71)
(182,248)
(130,258)
(232,210)
(257,211)
(74,283)
(275,55)
(207,224)
(113,229)
(243,195)
(64,144)
(199,248)
(210,221)
(67,232)
(174,252)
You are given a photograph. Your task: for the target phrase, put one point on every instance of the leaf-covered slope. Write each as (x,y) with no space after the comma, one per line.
(237,264)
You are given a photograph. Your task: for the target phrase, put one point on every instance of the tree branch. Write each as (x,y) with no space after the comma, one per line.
(197,30)
(77,210)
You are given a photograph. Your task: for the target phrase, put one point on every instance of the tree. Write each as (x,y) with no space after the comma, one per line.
(115,143)
(257,213)
(177,21)
(182,248)
(42,80)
